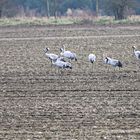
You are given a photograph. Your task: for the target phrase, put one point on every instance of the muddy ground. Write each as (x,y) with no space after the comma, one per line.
(38,102)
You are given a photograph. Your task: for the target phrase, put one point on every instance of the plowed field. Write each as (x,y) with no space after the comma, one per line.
(38,102)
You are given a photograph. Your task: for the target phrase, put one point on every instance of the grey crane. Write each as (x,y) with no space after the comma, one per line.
(136,52)
(61,64)
(51,56)
(68,54)
(92,58)
(113,62)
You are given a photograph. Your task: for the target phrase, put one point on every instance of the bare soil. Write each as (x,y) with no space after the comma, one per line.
(38,102)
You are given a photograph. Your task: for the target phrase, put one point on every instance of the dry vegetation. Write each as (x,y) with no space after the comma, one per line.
(37,102)
(83,19)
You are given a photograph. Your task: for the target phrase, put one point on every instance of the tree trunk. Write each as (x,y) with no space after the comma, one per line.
(55,9)
(48,9)
(97,8)
(119,13)
(92,4)
(0,12)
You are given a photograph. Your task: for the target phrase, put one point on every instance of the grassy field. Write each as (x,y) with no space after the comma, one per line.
(103,20)
(38,103)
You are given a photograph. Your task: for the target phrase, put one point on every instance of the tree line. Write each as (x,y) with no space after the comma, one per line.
(118,8)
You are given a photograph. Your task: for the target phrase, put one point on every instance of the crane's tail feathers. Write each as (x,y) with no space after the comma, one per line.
(120,64)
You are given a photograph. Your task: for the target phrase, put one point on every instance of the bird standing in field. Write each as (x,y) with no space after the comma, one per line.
(68,54)
(51,56)
(92,59)
(61,64)
(113,62)
(136,53)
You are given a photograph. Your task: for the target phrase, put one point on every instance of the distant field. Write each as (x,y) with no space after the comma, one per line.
(38,103)
(101,20)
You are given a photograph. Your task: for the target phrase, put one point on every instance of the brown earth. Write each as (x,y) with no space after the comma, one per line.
(39,103)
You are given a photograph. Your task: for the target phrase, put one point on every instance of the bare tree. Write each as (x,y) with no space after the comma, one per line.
(48,8)
(119,7)
(55,9)
(97,8)
(2,3)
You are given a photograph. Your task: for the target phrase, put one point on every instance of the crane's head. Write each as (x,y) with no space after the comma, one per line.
(134,47)
(106,60)
(61,50)
(46,50)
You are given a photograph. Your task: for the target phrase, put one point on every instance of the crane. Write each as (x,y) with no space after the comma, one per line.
(68,54)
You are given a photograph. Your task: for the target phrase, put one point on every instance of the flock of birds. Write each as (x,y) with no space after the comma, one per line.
(60,61)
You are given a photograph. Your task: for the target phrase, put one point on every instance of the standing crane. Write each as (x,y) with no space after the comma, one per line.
(113,62)
(92,59)
(68,54)
(61,64)
(136,53)
(51,56)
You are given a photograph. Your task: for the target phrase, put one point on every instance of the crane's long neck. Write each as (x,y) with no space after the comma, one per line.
(134,49)
(62,50)
(47,54)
